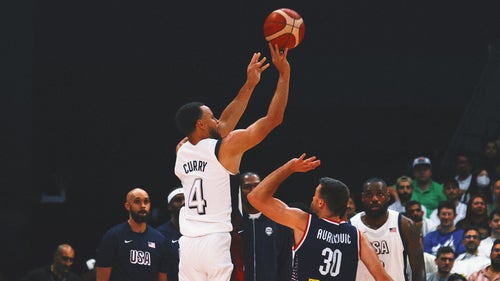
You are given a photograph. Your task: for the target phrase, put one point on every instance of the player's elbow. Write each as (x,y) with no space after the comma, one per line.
(279,120)
(253,199)
(276,120)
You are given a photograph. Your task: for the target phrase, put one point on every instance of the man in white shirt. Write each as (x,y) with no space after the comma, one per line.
(414,211)
(471,260)
(463,175)
(494,223)
(452,192)
(445,258)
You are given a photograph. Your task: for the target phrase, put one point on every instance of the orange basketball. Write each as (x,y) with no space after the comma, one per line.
(284,27)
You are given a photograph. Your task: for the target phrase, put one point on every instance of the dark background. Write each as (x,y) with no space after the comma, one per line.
(93,87)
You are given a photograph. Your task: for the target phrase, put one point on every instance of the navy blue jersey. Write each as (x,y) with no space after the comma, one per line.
(329,250)
(172,235)
(132,256)
(267,249)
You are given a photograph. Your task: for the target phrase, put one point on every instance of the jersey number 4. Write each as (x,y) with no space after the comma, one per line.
(196,200)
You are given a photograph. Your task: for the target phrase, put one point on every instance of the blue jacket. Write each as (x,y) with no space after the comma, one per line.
(267,248)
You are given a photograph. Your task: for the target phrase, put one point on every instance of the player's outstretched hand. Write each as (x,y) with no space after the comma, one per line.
(303,164)
(256,66)
(279,58)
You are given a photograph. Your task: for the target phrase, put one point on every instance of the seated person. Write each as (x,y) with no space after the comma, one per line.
(446,234)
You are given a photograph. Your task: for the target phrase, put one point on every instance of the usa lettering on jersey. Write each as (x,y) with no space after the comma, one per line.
(381,247)
(140,257)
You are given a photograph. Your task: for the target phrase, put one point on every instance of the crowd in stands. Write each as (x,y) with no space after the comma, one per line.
(459,218)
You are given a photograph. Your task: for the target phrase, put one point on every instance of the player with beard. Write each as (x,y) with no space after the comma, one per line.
(492,271)
(207,164)
(394,237)
(133,250)
(326,246)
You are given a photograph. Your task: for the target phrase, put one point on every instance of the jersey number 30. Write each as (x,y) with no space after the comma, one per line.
(196,200)
(331,265)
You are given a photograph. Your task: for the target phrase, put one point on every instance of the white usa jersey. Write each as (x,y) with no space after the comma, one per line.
(388,244)
(206,185)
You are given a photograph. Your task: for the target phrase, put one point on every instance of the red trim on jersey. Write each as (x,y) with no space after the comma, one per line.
(339,221)
(308,225)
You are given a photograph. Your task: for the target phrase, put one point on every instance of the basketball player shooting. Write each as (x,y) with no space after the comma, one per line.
(206,160)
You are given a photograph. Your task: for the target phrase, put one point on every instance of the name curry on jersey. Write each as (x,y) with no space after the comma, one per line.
(195,165)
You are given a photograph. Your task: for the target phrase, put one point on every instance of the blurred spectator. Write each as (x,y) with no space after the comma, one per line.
(495,190)
(402,194)
(482,186)
(426,191)
(489,155)
(452,193)
(471,260)
(476,216)
(59,270)
(414,211)
(170,230)
(445,259)
(430,263)
(351,208)
(425,225)
(492,271)
(446,234)
(494,223)
(463,175)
